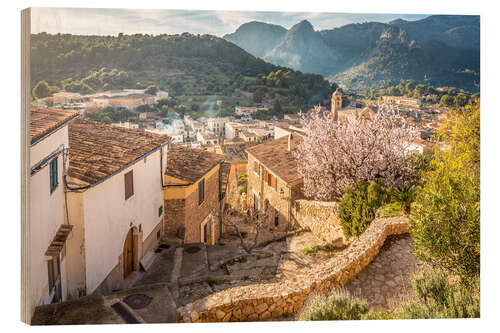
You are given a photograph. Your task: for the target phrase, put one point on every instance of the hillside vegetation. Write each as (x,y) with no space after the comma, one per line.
(198,70)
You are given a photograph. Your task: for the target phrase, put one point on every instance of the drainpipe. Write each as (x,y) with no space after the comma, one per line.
(289,205)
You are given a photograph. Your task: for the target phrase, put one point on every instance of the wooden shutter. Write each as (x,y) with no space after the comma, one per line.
(53,175)
(201,191)
(129,184)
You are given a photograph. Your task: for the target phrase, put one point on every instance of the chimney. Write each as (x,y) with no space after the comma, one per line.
(290,142)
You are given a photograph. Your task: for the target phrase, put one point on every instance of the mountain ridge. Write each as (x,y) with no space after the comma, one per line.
(438,49)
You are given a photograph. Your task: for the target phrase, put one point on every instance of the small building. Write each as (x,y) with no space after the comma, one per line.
(247,136)
(401,100)
(273,176)
(206,138)
(65,97)
(131,101)
(115,201)
(48,228)
(192,194)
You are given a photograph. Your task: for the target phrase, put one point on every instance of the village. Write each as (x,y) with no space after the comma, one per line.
(144,220)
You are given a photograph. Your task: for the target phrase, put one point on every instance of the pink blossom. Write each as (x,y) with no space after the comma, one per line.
(336,154)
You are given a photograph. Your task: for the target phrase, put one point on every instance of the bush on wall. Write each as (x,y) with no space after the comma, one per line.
(358,207)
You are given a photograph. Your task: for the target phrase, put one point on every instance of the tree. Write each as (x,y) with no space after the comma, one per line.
(446,216)
(259,95)
(41,90)
(277,107)
(446,100)
(151,90)
(256,222)
(335,155)
(177,88)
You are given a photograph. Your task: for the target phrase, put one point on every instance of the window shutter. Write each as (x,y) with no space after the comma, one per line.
(129,184)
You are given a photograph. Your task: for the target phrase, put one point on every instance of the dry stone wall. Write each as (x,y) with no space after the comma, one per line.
(321,218)
(272,300)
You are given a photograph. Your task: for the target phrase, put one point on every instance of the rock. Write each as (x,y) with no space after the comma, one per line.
(220,314)
(261,308)
(265,315)
(248,309)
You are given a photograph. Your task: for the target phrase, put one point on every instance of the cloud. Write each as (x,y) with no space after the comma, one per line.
(129,21)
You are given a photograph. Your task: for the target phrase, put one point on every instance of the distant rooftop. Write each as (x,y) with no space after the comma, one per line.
(45,120)
(190,164)
(98,150)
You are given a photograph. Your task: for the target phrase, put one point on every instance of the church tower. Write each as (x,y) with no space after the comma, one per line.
(336,103)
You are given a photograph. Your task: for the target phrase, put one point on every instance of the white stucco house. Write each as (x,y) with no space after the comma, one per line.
(48,230)
(115,200)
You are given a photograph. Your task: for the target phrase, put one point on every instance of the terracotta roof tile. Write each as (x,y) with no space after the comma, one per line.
(190,164)
(97,150)
(274,155)
(44,120)
(235,152)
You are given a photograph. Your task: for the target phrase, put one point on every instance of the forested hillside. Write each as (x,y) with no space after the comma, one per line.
(186,65)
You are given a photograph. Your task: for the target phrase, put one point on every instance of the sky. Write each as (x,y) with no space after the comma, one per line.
(84,21)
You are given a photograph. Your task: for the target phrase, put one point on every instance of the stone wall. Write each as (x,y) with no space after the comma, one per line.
(188,214)
(321,218)
(174,216)
(272,300)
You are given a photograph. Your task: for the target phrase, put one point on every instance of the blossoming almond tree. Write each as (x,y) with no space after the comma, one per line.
(336,154)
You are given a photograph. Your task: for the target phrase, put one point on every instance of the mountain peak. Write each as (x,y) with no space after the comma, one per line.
(303,25)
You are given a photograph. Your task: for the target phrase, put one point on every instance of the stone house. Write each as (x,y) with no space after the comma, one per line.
(192,194)
(115,203)
(48,230)
(273,176)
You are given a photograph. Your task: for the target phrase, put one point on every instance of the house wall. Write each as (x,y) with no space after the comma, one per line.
(282,206)
(75,247)
(280,132)
(182,208)
(108,217)
(46,215)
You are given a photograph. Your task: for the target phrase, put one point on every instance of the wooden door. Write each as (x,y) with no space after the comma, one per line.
(205,233)
(128,255)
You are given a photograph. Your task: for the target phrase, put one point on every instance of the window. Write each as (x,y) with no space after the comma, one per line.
(255,202)
(256,168)
(269,179)
(201,191)
(276,220)
(54,272)
(129,184)
(54,181)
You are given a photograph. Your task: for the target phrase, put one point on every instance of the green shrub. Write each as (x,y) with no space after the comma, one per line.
(390,210)
(338,306)
(435,297)
(316,248)
(243,176)
(242,188)
(358,207)
(403,195)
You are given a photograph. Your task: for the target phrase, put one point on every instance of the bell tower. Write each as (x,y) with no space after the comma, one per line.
(336,103)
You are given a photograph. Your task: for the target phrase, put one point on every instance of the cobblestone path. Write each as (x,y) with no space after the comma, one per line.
(388,276)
